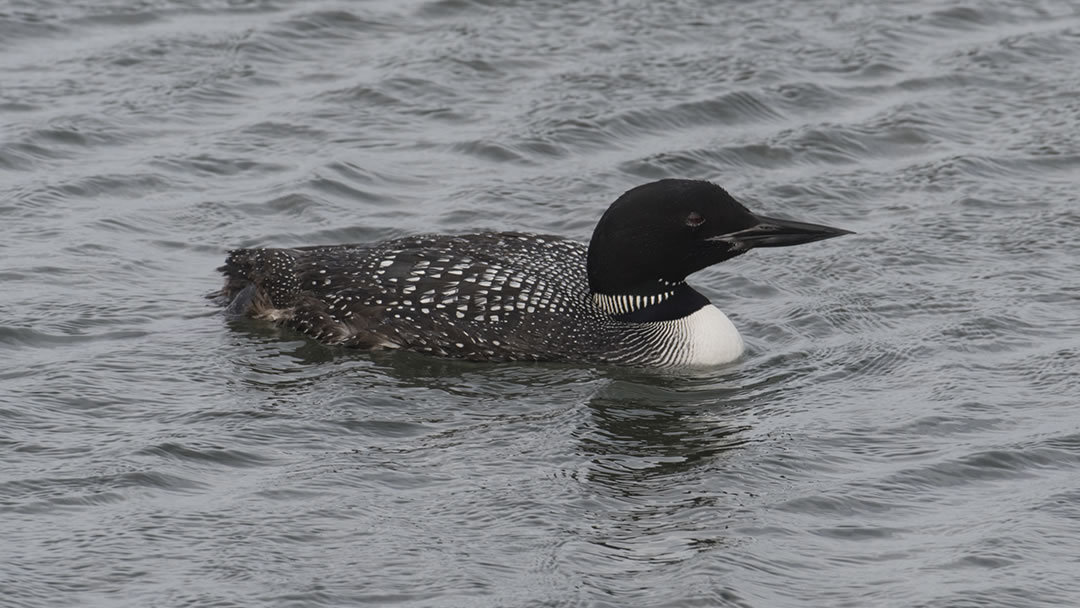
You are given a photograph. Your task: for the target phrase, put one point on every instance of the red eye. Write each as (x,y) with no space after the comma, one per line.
(694,219)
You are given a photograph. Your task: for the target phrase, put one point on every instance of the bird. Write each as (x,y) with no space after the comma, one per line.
(621,300)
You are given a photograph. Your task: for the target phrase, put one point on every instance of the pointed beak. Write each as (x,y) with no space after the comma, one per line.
(773,232)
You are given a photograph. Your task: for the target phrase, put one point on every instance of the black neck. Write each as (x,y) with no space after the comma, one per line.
(664,303)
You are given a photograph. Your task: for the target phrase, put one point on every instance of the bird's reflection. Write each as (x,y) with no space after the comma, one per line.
(662,427)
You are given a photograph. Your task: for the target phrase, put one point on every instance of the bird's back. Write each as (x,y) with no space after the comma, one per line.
(481,296)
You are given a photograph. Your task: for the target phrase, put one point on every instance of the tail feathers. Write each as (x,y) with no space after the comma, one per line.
(238,270)
(240,304)
(260,277)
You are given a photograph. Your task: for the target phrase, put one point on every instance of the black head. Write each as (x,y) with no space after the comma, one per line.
(665,230)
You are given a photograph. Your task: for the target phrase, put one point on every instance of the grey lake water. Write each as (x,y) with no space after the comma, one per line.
(904,429)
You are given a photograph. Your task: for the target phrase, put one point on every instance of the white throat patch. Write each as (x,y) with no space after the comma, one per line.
(705,338)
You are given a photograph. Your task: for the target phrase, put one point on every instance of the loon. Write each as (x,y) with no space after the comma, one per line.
(511,296)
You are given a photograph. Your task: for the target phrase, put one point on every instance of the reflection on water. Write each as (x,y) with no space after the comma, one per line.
(642,433)
(654,451)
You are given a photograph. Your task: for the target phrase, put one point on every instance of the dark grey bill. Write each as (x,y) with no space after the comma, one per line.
(773,232)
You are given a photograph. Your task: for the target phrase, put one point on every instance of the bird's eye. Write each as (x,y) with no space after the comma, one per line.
(695,219)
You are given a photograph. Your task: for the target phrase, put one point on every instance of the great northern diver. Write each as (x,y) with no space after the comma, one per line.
(527,297)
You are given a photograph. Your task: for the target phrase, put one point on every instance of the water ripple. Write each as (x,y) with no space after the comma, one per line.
(902,430)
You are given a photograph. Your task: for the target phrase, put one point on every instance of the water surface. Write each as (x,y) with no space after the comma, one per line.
(904,430)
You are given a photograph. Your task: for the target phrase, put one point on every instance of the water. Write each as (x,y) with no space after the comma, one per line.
(904,430)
